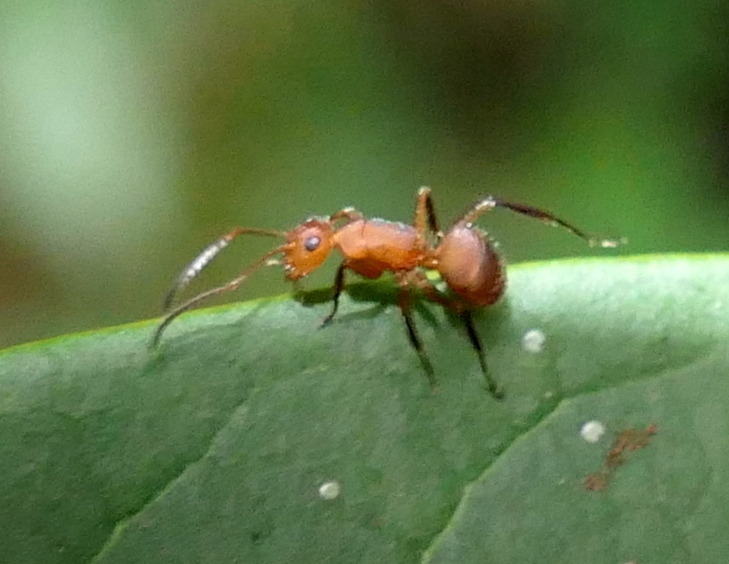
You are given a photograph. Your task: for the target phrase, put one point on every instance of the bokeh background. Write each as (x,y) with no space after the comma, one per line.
(134,133)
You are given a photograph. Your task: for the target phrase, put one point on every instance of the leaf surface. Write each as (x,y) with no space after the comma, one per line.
(213,447)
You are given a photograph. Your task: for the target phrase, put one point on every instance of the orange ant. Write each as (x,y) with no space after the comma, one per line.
(464,257)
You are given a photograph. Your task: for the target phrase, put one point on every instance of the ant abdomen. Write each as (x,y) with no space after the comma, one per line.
(470,266)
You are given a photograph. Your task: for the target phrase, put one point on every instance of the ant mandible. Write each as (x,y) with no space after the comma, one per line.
(464,257)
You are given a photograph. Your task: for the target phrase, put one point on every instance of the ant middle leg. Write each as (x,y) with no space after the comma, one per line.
(404,301)
(425,219)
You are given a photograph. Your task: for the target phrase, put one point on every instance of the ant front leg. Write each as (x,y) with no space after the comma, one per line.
(338,287)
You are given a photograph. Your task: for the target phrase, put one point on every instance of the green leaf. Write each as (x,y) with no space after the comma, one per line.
(213,447)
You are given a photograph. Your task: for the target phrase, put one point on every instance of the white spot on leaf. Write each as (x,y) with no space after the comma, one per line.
(330,490)
(533,341)
(592,431)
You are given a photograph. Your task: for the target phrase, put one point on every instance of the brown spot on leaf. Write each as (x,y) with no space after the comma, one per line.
(627,440)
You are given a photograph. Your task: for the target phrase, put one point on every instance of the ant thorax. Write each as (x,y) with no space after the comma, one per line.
(374,246)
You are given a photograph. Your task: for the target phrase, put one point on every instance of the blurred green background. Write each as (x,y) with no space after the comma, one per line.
(133,134)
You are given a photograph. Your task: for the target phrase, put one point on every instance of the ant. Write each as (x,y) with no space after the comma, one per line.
(463,256)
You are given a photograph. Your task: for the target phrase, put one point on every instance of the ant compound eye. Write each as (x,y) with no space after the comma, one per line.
(312,243)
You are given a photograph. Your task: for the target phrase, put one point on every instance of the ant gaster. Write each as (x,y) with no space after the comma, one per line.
(463,256)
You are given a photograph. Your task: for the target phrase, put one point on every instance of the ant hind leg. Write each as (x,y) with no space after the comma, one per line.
(491,202)
(421,281)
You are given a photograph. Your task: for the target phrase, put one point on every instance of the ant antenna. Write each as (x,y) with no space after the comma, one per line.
(491,202)
(206,257)
(230,286)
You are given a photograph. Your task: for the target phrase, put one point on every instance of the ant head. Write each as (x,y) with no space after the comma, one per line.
(307,246)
